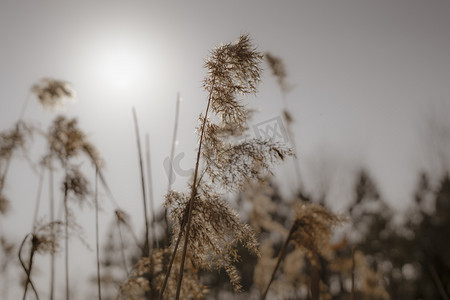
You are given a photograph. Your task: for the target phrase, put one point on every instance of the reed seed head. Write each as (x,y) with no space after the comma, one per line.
(46,237)
(52,93)
(312,227)
(67,141)
(76,184)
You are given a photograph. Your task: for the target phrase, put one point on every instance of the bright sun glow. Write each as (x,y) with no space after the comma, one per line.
(121,69)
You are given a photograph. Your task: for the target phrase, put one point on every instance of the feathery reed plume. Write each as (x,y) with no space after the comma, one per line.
(310,231)
(53,93)
(68,141)
(232,69)
(146,248)
(279,71)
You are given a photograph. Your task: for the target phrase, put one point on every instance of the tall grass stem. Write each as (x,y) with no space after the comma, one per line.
(145,250)
(280,258)
(192,197)
(150,190)
(97,246)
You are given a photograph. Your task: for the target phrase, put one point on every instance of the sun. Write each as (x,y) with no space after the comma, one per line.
(121,68)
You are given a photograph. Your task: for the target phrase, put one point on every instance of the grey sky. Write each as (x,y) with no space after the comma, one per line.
(366,74)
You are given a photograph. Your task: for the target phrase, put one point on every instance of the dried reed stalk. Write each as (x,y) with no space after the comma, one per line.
(97,246)
(150,191)
(146,248)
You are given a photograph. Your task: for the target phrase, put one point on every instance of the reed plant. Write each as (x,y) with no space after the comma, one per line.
(206,232)
(207,223)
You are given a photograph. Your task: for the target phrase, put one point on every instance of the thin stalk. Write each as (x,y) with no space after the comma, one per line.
(28,270)
(52,220)
(174,141)
(172,154)
(438,282)
(352,295)
(150,189)
(122,248)
(107,189)
(66,238)
(5,172)
(24,106)
(97,246)
(193,195)
(280,258)
(38,198)
(145,250)
(315,281)
(166,278)
(292,141)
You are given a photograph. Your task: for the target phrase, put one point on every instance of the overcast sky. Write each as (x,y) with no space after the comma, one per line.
(366,74)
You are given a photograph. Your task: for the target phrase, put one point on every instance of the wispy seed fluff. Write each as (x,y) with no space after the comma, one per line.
(231,157)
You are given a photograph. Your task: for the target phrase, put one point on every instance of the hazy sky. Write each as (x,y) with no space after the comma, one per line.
(366,74)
